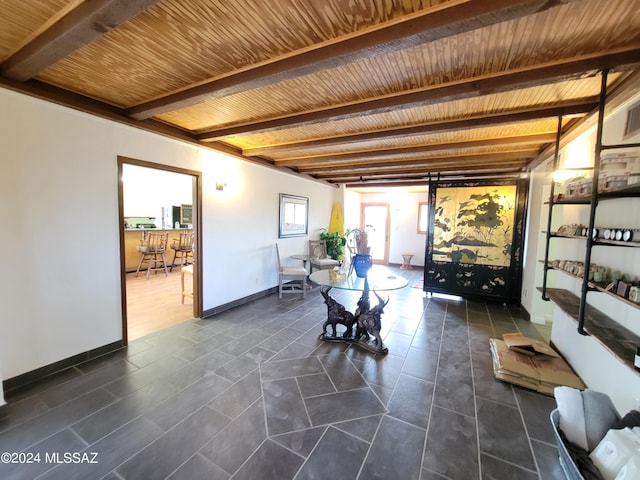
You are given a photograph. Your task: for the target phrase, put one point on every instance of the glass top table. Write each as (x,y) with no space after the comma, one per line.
(366,320)
(304,257)
(379,278)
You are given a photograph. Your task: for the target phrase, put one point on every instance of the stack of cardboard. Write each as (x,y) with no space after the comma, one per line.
(531,364)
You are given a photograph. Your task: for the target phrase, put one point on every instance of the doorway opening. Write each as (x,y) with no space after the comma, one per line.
(158,199)
(375,221)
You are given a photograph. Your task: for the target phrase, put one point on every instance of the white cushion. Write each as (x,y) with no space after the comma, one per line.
(324,261)
(599,416)
(571,409)
(294,271)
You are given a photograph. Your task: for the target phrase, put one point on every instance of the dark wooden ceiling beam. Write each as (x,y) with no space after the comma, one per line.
(43,91)
(619,93)
(421,169)
(521,115)
(443,159)
(422,27)
(420,172)
(387,184)
(467,160)
(531,76)
(369,155)
(87,22)
(423,181)
(489,120)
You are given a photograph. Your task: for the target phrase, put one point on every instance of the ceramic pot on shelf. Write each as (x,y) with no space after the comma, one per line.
(362,263)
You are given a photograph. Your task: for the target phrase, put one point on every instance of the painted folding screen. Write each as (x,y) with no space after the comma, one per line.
(475,239)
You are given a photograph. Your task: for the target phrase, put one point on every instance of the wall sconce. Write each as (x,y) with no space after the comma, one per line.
(220,186)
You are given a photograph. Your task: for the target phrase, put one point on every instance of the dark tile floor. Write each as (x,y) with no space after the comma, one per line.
(253,394)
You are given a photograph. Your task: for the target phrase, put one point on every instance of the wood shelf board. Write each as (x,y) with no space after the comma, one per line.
(602,288)
(566,235)
(617,243)
(597,287)
(617,339)
(570,201)
(631,191)
(603,242)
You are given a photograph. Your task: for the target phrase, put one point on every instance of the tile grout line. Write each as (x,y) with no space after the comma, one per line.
(451,317)
(304,404)
(426,433)
(435,383)
(387,413)
(475,397)
(224,428)
(366,456)
(306,459)
(526,431)
(511,463)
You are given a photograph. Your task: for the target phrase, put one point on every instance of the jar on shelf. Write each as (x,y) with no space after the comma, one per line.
(629,235)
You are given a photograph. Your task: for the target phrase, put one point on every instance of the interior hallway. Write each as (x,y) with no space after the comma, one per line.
(251,393)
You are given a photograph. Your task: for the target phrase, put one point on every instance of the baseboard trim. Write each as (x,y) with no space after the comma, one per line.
(43,372)
(236,303)
(525,313)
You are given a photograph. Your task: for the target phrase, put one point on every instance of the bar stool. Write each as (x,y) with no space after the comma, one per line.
(186,270)
(153,252)
(182,249)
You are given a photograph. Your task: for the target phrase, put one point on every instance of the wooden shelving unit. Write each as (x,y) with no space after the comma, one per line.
(597,241)
(601,287)
(620,341)
(630,191)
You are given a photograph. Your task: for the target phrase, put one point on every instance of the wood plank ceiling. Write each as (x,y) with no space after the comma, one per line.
(355,92)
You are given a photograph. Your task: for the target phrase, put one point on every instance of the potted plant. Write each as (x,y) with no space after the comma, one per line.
(358,242)
(335,244)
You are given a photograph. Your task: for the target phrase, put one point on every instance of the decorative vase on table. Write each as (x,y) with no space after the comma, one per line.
(362,264)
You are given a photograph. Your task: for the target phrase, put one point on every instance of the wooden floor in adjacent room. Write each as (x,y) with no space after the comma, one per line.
(155,304)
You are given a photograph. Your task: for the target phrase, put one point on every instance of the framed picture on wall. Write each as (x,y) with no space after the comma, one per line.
(293,220)
(186,214)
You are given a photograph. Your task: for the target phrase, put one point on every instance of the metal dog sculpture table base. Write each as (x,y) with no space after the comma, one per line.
(366,320)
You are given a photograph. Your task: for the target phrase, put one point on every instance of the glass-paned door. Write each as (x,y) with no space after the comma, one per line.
(375,221)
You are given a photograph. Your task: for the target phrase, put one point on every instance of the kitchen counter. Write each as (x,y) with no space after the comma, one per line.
(135,236)
(154,229)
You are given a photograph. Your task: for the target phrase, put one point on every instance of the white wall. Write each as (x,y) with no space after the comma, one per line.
(403,211)
(594,363)
(241,226)
(351,209)
(58,192)
(532,273)
(2,402)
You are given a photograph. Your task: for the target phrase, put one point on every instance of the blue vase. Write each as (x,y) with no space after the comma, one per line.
(362,264)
